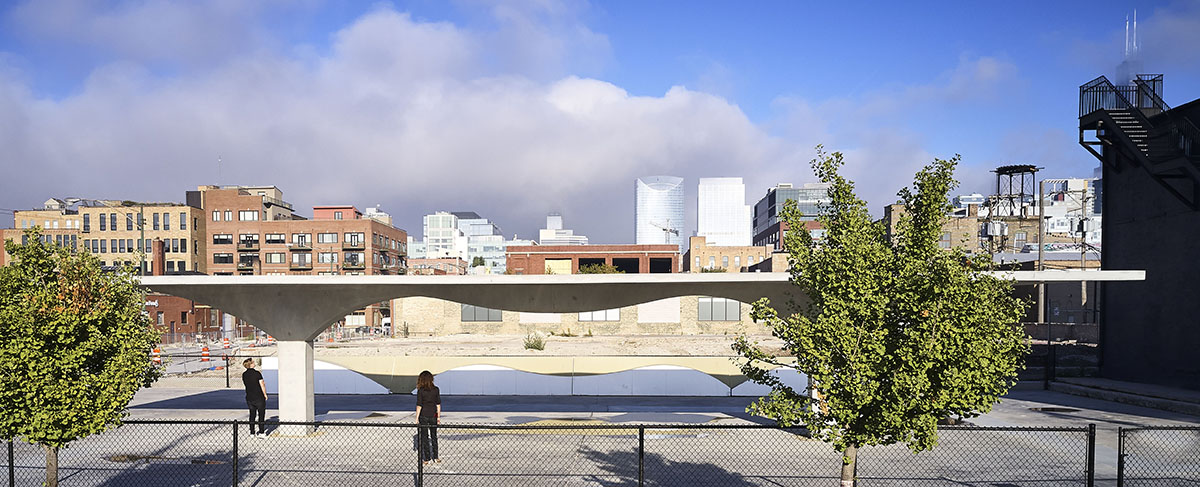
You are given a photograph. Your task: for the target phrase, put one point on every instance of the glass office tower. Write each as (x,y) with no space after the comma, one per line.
(658,211)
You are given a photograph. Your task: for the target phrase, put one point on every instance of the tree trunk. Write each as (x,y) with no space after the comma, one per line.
(849,460)
(51,466)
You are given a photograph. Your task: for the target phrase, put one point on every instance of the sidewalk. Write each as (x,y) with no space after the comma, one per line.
(1138,394)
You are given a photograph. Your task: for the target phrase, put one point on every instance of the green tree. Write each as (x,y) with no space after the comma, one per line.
(477,261)
(599,269)
(896,333)
(74,346)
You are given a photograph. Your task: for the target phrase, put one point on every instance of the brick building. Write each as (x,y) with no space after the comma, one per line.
(567,259)
(251,230)
(700,256)
(437,267)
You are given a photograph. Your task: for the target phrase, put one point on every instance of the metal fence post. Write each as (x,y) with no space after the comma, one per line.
(1120,457)
(420,456)
(1091,455)
(235,453)
(641,456)
(226,371)
(12,469)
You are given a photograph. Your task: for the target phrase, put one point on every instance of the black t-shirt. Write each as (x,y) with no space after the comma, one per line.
(429,399)
(250,379)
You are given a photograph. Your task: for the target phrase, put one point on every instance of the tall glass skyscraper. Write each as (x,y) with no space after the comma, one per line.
(722,215)
(658,211)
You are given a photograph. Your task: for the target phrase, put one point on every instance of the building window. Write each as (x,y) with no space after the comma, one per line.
(697,262)
(103,224)
(216,215)
(170,266)
(183,245)
(182,314)
(337,215)
(718,309)
(222,258)
(302,239)
(166,221)
(175,245)
(712,261)
(275,258)
(737,262)
(602,315)
(302,259)
(275,238)
(183,221)
(355,238)
(129,245)
(222,238)
(160,318)
(327,258)
(112,221)
(356,258)
(725,261)
(327,238)
(112,244)
(248,238)
(477,313)
(87,223)
(248,215)
(155,221)
(1019,239)
(228,215)
(945,240)
(750,260)
(128,221)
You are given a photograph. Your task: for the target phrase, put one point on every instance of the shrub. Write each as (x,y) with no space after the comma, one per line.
(535,341)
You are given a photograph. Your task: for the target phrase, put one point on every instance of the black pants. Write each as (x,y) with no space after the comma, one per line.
(258,406)
(427,439)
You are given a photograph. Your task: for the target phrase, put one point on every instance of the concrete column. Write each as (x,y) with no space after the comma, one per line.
(295,385)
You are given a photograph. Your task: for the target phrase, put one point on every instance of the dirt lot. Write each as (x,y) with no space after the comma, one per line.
(475,345)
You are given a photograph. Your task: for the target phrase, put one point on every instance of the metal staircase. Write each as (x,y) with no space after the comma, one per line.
(1134,127)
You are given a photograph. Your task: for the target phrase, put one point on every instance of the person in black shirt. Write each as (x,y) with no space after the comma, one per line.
(429,409)
(256,397)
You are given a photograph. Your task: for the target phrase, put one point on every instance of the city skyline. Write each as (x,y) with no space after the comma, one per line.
(523,109)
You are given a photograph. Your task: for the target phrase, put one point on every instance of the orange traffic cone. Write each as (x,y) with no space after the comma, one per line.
(204,354)
(225,342)
(157,354)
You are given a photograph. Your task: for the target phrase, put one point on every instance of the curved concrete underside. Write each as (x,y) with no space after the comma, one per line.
(300,307)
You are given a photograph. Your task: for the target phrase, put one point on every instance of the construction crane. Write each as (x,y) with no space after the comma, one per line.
(667,230)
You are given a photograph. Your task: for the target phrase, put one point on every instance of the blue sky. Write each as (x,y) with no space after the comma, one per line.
(514,109)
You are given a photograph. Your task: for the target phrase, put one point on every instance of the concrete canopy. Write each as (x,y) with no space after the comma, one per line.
(300,307)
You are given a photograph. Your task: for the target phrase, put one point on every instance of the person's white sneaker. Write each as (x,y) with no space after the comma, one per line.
(262,435)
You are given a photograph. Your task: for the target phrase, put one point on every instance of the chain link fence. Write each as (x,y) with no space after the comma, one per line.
(1159,456)
(367,453)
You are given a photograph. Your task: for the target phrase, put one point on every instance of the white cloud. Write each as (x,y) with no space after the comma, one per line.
(423,116)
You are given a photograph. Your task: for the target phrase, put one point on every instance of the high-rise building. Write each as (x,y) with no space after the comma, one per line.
(658,211)
(768,229)
(722,215)
(555,234)
(486,241)
(443,238)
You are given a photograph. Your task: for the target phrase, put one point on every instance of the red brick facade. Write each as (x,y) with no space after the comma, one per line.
(632,259)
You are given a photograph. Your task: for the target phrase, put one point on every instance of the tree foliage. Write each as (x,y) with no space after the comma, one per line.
(898,333)
(599,269)
(477,261)
(74,344)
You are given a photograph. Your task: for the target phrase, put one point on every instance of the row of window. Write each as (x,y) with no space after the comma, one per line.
(243,215)
(737,261)
(59,240)
(50,224)
(126,245)
(298,258)
(304,239)
(710,309)
(170,267)
(160,221)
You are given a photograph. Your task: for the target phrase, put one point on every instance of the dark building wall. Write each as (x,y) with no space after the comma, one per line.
(1150,329)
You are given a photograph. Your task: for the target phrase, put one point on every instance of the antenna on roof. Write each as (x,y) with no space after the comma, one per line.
(218,170)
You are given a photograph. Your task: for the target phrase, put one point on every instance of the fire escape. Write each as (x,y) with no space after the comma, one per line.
(1135,129)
